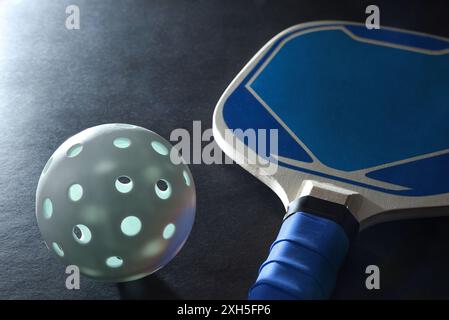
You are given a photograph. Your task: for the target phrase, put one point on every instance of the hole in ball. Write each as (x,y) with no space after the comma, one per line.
(163,189)
(123,184)
(186,177)
(169,231)
(159,148)
(82,234)
(74,150)
(131,226)
(75,192)
(47,208)
(57,248)
(114,262)
(122,142)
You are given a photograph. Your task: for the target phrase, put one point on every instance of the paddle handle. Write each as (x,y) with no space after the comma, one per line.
(304,260)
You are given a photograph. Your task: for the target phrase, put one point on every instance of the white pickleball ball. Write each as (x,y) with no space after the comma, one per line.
(117,201)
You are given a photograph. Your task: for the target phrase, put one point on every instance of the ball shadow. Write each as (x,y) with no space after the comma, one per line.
(148,288)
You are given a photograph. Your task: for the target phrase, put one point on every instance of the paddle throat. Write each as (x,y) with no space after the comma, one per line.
(327,201)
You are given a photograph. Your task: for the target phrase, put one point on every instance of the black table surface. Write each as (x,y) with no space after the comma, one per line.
(163,64)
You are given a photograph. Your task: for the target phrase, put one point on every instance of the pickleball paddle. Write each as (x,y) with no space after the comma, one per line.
(362,136)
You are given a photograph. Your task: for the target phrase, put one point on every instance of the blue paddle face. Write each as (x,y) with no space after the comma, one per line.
(358,107)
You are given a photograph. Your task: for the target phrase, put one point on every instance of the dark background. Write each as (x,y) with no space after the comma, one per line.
(162,64)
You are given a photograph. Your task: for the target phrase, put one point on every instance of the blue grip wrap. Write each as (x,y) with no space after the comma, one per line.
(304,260)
